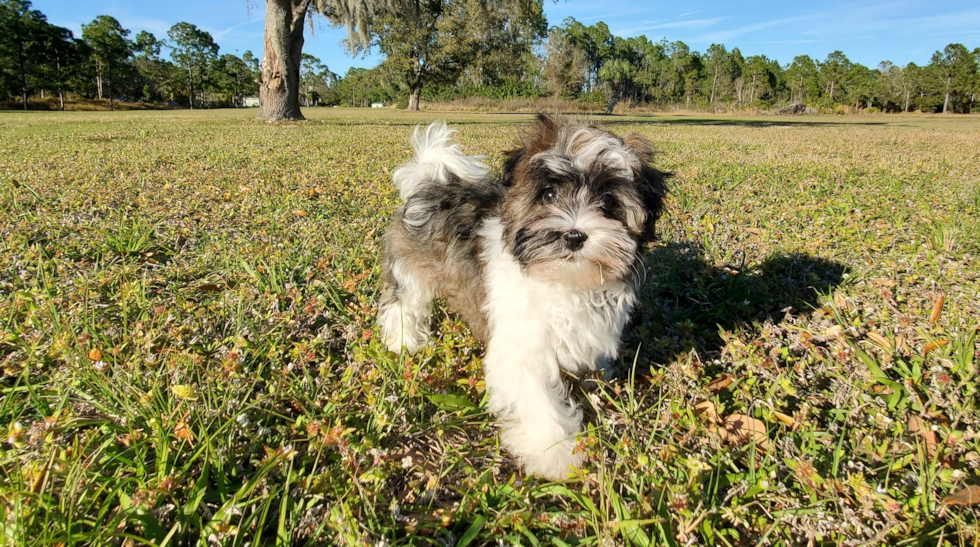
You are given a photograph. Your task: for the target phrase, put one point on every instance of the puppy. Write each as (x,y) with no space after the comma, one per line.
(543,266)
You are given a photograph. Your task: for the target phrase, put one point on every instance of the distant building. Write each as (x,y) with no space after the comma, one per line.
(377,105)
(251,101)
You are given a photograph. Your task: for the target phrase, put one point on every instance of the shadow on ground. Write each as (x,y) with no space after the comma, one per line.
(763,121)
(685,300)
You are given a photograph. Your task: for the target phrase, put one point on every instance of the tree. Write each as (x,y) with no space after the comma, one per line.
(865,84)
(448,36)
(564,65)
(651,68)
(502,35)
(193,50)
(953,71)
(107,40)
(233,78)
(152,72)
(596,41)
(282,55)
(804,79)
(617,74)
(62,58)
(833,71)
(315,78)
(761,77)
(429,49)
(22,42)
(717,65)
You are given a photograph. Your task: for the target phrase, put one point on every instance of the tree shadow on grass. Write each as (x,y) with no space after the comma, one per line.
(762,121)
(685,301)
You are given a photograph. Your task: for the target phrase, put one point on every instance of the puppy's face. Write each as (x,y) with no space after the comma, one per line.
(581,203)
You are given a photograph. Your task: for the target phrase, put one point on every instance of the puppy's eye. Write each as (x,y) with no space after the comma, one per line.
(609,202)
(548,196)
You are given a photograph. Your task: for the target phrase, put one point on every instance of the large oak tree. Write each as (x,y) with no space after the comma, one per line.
(283,53)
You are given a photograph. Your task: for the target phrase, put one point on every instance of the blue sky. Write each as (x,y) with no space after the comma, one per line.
(867,31)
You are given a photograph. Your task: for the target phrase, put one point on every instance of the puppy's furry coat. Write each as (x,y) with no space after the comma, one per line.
(542,265)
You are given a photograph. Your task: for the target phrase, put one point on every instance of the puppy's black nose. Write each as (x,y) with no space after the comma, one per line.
(574,239)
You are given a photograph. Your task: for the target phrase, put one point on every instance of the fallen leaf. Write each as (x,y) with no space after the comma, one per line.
(933,346)
(785,418)
(834,332)
(967,496)
(720,383)
(922,429)
(182,431)
(707,410)
(900,342)
(300,213)
(755,231)
(880,340)
(210,287)
(95,354)
(743,429)
(937,310)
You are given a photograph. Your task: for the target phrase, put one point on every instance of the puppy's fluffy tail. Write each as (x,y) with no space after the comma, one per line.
(435,158)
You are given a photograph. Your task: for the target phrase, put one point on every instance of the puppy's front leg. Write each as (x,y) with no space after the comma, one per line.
(528,396)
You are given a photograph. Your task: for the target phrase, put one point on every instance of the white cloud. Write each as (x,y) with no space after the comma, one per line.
(696,24)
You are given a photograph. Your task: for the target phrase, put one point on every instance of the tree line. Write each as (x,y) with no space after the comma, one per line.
(39,60)
(438,50)
(589,62)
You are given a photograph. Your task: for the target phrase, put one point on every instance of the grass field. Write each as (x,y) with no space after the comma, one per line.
(189,353)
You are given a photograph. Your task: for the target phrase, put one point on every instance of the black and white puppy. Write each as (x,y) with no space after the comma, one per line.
(542,265)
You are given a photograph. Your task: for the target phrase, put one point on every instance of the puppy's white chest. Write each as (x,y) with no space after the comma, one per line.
(587,324)
(578,327)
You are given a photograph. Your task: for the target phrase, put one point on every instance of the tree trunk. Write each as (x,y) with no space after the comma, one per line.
(714,82)
(906,101)
(112,107)
(946,103)
(832,91)
(613,99)
(61,86)
(281,60)
(413,99)
(190,80)
(23,74)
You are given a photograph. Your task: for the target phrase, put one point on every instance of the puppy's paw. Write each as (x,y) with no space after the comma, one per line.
(556,463)
(401,327)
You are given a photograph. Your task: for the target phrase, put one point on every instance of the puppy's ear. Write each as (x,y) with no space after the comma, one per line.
(651,183)
(540,137)
(511,159)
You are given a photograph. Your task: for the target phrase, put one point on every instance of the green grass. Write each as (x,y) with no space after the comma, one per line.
(188,350)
